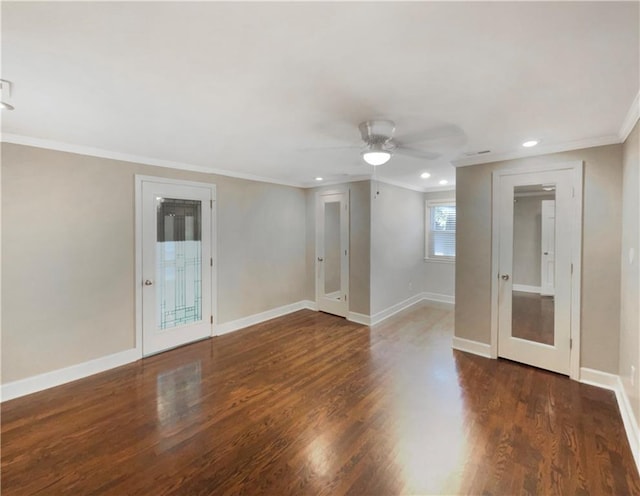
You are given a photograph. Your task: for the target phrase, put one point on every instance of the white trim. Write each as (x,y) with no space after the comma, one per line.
(538,150)
(399,184)
(359,318)
(60,146)
(633,114)
(469,346)
(576,253)
(439,298)
(394,309)
(525,288)
(598,378)
(54,378)
(440,260)
(368,320)
(614,383)
(258,318)
(310,305)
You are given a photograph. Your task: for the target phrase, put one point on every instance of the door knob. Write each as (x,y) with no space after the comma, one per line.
(148,282)
(320,259)
(505,277)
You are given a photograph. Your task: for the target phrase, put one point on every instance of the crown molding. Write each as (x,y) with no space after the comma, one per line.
(630,119)
(333,182)
(538,150)
(18,139)
(399,184)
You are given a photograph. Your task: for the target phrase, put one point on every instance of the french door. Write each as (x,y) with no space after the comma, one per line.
(176,262)
(534,274)
(332,252)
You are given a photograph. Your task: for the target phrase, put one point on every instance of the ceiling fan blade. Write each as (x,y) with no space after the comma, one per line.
(328,148)
(446,134)
(412,152)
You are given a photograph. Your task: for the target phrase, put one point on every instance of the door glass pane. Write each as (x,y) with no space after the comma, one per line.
(332,250)
(178,262)
(533,301)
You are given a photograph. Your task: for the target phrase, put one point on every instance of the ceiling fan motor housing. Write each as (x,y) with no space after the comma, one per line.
(377,132)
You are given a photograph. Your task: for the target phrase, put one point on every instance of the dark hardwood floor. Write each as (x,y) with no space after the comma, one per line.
(311,404)
(533,317)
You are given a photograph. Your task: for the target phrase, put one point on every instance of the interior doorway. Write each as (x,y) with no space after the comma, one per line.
(332,251)
(537,219)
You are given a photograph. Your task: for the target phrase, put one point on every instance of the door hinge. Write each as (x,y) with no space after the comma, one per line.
(345,297)
(570,343)
(211,204)
(572,268)
(573,192)
(211,261)
(212,319)
(345,253)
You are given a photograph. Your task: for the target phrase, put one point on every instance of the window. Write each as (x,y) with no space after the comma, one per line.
(441,230)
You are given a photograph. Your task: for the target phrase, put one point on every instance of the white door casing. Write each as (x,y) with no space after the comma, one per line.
(174,277)
(332,251)
(564,355)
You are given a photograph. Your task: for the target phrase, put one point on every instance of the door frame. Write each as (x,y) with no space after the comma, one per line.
(346,191)
(576,167)
(138,278)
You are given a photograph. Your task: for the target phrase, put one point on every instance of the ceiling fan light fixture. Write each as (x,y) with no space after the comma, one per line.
(376,158)
(375,154)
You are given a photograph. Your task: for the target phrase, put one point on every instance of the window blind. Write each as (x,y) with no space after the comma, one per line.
(442,231)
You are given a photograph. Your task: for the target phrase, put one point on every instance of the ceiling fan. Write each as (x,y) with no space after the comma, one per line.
(380,143)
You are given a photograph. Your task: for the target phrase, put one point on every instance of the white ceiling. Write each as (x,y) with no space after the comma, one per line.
(259,89)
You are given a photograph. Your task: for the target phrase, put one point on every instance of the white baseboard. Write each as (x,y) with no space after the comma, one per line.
(614,383)
(359,318)
(257,318)
(54,378)
(394,309)
(439,297)
(369,320)
(527,289)
(469,346)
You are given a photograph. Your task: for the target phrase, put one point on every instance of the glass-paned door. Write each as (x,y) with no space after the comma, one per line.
(535,256)
(176,264)
(332,252)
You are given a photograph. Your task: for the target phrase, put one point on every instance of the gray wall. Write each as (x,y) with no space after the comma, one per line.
(527,239)
(439,276)
(397,245)
(630,295)
(601,251)
(68,254)
(360,240)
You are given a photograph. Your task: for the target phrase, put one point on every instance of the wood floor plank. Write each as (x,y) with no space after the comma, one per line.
(312,404)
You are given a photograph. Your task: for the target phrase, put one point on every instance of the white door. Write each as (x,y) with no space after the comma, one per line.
(547,246)
(533,328)
(332,252)
(177,263)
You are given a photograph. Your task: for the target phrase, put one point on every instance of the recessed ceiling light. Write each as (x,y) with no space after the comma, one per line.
(425,175)
(318,179)
(529,144)
(444,181)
